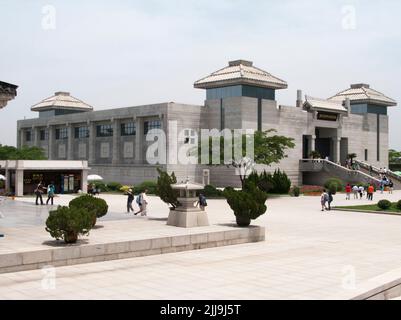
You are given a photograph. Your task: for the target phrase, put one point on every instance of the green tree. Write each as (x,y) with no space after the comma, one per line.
(164,189)
(394,156)
(268,148)
(24,153)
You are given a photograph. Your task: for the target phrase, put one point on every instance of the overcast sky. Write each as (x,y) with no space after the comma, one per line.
(123,53)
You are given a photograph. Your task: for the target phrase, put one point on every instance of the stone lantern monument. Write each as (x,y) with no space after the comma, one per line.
(187,215)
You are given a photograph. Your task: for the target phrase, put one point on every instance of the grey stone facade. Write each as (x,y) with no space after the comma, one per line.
(122,158)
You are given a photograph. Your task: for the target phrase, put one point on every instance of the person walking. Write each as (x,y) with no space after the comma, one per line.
(130,199)
(361,191)
(38,192)
(143,202)
(330,196)
(382,183)
(51,189)
(202,202)
(323,199)
(355,191)
(348,190)
(390,187)
(371,190)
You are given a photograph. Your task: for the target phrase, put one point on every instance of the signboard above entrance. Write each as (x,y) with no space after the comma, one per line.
(326,116)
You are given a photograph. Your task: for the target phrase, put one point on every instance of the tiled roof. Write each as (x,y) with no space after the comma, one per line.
(362,93)
(324,105)
(61,100)
(240,72)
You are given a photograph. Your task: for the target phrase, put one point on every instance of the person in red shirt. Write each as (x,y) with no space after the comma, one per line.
(348,190)
(371,191)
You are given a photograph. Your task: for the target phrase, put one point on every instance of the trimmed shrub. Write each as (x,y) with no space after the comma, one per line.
(113,186)
(92,204)
(150,185)
(399,205)
(248,203)
(384,204)
(164,190)
(334,184)
(211,192)
(100,185)
(265,182)
(296,191)
(68,223)
(281,183)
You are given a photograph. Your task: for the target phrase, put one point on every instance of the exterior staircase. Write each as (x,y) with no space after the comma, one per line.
(374,171)
(318,171)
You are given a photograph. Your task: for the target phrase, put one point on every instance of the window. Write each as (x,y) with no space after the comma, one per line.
(28,136)
(61,134)
(366,155)
(44,135)
(128,129)
(190,136)
(149,125)
(104,130)
(81,132)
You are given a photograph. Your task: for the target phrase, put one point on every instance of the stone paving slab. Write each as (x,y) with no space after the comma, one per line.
(307,256)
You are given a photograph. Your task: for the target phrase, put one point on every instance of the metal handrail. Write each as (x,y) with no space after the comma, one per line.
(349,171)
(377,170)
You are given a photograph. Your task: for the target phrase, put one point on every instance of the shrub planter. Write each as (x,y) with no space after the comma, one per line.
(68,223)
(243,221)
(96,207)
(248,204)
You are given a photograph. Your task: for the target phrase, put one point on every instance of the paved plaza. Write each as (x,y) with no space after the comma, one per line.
(307,254)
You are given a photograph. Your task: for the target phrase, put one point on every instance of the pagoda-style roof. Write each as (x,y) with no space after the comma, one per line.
(324,105)
(8,92)
(362,93)
(240,72)
(61,100)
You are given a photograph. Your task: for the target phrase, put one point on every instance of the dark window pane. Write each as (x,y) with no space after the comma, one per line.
(104,130)
(128,129)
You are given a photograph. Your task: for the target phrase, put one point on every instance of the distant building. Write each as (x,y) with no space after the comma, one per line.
(239,96)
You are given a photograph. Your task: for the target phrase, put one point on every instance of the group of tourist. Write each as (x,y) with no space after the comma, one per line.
(359,191)
(41,189)
(142,201)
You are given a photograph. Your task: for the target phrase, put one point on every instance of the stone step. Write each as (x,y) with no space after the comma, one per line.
(64,254)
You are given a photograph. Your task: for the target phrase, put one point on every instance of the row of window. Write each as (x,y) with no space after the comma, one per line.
(104,130)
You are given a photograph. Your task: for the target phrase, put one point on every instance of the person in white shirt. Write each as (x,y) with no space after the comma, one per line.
(355,190)
(143,202)
(361,191)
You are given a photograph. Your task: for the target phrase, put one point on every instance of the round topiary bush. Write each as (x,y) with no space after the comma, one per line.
(248,204)
(68,223)
(334,185)
(384,204)
(399,205)
(296,191)
(96,206)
